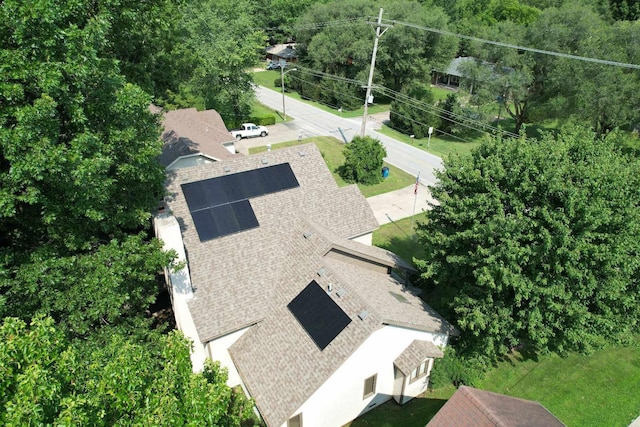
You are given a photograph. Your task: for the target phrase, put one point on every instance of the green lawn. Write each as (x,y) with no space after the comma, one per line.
(399,237)
(440,146)
(415,413)
(601,389)
(331,149)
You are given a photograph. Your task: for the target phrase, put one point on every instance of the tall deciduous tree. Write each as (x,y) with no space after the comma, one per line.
(78,145)
(47,380)
(601,96)
(344,47)
(539,242)
(414,118)
(78,169)
(224,43)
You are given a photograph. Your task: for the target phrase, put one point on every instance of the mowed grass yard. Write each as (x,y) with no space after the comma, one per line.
(600,389)
(332,152)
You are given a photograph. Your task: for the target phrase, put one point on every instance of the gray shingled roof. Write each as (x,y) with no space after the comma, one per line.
(415,354)
(278,354)
(480,408)
(454,66)
(189,131)
(233,276)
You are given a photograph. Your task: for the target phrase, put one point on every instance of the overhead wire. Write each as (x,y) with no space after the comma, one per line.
(433,110)
(513,46)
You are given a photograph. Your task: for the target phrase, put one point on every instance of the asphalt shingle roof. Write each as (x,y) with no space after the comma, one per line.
(473,407)
(233,276)
(249,278)
(278,354)
(189,131)
(415,354)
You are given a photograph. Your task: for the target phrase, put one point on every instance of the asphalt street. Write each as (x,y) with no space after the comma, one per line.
(311,121)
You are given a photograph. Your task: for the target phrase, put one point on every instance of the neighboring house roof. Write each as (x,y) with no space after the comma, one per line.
(454,66)
(279,354)
(480,408)
(417,352)
(189,131)
(235,276)
(284,51)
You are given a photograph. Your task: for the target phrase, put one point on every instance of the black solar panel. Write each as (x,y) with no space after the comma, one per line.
(318,314)
(219,206)
(196,198)
(205,225)
(245,215)
(223,220)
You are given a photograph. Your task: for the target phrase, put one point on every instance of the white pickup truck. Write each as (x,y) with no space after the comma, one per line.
(249,130)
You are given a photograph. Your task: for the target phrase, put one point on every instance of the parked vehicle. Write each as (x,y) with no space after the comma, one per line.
(249,130)
(273,65)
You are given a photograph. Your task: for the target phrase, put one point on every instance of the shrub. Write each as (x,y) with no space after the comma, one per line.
(363,161)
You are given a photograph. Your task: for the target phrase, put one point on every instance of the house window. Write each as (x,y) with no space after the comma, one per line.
(370,386)
(295,421)
(420,371)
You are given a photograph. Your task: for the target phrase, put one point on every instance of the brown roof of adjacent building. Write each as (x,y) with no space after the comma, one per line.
(189,131)
(479,408)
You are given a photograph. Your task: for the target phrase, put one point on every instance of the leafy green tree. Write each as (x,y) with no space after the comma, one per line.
(344,49)
(539,244)
(413,117)
(146,39)
(224,43)
(78,145)
(79,170)
(596,95)
(503,74)
(47,380)
(278,17)
(363,160)
(625,10)
(112,285)
(450,107)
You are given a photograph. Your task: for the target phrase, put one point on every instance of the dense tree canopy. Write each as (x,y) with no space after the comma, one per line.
(223,44)
(79,178)
(46,380)
(344,48)
(539,243)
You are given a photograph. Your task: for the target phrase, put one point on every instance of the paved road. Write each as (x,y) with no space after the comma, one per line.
(311,121)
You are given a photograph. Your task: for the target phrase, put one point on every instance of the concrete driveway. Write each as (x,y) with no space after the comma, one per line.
(399,204)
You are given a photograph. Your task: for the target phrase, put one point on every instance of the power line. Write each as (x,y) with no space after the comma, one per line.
(451,116)
(513,46)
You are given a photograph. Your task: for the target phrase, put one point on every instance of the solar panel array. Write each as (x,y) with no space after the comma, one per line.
(318,314)
(220,206)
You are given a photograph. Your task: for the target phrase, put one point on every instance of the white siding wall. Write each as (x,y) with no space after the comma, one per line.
(413,389)
(366,239)
(168,230)
(339,400)
(218,349)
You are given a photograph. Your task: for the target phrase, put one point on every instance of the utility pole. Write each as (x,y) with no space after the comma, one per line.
(282,73)
(379,34)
